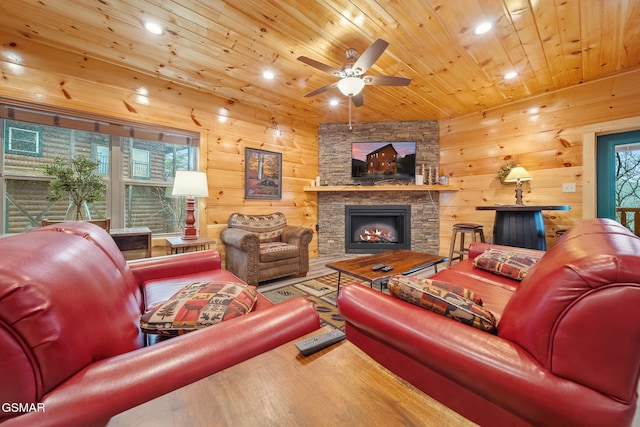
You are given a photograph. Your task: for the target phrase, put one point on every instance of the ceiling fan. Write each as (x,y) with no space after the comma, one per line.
(351,74)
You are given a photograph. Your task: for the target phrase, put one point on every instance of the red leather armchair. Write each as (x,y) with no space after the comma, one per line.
(567,350)
(71,350)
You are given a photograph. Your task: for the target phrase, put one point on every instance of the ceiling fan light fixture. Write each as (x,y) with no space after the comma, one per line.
(351,86)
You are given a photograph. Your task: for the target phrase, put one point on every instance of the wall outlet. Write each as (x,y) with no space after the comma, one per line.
(569,187)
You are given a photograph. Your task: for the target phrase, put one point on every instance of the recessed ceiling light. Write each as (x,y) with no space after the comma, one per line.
(334,102)
(483,28)
(268,74)
(510,75)
(153,27)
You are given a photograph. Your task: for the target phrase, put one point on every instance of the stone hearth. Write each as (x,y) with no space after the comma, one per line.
(335,169)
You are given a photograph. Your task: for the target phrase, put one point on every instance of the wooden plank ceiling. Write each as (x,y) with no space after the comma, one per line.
(222,47)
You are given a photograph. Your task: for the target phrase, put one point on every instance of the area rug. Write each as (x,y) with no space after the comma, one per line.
(321,291)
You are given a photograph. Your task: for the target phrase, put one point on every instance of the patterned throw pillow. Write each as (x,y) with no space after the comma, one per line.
(453,288)
(199,305)
(442,301)
(505,263)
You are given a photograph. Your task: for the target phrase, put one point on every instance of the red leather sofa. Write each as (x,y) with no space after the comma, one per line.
(71,351)
(567,349)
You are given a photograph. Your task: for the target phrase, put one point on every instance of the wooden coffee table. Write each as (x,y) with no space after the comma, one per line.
(402,260)
(338,386)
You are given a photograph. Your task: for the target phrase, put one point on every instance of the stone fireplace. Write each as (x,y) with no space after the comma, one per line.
(335,170)
(371,229)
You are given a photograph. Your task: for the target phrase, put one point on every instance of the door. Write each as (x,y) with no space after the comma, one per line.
(618,178)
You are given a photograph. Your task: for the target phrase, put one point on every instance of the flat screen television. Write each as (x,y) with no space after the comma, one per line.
(376,161)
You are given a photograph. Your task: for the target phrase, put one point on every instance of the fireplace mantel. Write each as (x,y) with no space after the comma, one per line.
(395,188)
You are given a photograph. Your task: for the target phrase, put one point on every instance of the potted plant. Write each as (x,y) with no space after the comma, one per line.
(76,180)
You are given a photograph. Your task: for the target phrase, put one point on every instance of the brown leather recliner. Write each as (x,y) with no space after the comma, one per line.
(263,247)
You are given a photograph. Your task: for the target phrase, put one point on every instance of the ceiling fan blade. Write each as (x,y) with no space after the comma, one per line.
(386,81)
(358,100)
(320,90)
(319,65)
(370,56)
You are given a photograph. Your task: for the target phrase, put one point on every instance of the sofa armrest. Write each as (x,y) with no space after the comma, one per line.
(174,265)
(296,235)
(113,385)
(496,369)
(476,248)
(241,239)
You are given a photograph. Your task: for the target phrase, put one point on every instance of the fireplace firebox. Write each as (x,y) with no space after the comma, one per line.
(373,229)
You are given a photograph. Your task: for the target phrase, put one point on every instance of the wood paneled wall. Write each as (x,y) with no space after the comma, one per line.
(544,134)
(549,142)
(59,79)
(225,165)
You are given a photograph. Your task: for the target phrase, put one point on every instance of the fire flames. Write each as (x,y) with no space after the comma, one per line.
(377,235)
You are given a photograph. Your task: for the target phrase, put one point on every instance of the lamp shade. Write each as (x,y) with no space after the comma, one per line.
(518,173)
(350,86)
(190,183)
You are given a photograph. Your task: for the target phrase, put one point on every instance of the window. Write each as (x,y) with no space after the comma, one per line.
(100,154)
(140,163)
(138,166)
(23,140)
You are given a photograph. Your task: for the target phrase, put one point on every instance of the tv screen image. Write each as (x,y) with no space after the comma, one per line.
(383,160)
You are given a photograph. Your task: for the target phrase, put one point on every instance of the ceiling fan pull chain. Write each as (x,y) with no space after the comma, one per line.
(349,102)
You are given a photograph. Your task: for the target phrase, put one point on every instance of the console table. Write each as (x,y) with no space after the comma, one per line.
(521,226)
(134,242)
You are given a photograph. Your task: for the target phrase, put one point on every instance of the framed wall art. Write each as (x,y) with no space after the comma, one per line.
(263,174)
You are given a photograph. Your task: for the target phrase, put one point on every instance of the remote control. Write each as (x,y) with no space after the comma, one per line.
(378,267)
(311,345)
(387,268)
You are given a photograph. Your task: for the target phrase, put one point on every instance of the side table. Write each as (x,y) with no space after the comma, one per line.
(178,243)
(520,225)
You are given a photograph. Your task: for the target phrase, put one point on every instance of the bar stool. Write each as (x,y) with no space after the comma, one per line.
(475,230)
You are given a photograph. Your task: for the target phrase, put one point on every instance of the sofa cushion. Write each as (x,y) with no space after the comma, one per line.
(442,301)
(275,251)
(198,305)
(505,263)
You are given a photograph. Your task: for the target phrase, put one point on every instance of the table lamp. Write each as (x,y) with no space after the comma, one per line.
(191,184)
(517,175)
